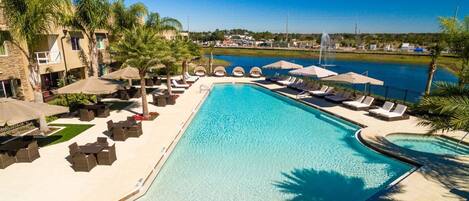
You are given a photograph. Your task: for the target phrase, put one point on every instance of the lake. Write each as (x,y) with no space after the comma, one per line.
(397,77)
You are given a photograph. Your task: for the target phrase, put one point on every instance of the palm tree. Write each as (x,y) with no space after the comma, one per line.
(143,49)
(435,53)
(27,20)
(160,24)
(446,108)
(126,17)
(90,16)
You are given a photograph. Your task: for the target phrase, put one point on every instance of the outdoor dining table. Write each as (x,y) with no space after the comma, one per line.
(91,148)
(98,109)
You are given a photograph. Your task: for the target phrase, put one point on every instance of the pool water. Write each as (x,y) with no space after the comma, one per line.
(429,144)
(248,143)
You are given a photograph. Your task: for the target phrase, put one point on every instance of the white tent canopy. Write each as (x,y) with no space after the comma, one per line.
(313,71)
(283,65)
(354,78)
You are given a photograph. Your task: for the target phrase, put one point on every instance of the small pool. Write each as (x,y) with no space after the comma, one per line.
(429,144)
(249,143)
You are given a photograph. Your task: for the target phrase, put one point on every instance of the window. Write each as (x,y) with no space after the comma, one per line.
(3,48)
(100,42)
(75,43)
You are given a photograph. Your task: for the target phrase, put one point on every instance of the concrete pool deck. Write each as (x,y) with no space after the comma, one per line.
(51,178)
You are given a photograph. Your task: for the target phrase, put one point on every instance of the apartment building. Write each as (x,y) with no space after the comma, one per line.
(62,51)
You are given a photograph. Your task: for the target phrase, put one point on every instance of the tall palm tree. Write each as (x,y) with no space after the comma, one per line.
(143,49)
(155,21)
(446,108)
(435,53)
(90,16)
(27,20)
(126,17)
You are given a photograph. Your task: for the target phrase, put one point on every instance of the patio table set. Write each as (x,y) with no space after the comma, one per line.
(85,157)
(21,150)
(89,112)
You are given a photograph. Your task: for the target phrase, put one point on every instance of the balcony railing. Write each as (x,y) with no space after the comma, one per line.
(47,57)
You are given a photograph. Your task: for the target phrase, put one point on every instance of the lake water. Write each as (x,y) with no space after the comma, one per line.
(399,77)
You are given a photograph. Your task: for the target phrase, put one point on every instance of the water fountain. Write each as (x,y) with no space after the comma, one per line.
(326,52)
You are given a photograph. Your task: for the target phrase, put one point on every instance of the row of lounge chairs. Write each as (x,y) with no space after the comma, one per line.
(385,112)
(220,71)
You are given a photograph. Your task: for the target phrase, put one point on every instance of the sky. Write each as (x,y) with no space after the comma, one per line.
(310,16)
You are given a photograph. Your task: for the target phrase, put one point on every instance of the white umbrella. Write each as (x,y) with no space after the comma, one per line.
(283,65)
(353,78)
(123,74)
(313,71)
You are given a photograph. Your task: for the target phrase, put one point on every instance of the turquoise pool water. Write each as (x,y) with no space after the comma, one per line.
(248,143)
(429,144)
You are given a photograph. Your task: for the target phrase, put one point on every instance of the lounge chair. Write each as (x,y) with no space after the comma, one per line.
(189,78)
(6,159)
(86,115)
(219,71)
(287,82)
(295,84)
(238,72)
(358,100)
(385,108)
(323,93)
(396,114)
(339,97)
(360,106)
(255,72)
(200,71)
(275,78)
(177,85)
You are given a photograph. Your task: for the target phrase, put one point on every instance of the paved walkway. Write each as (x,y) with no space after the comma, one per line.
(51,177)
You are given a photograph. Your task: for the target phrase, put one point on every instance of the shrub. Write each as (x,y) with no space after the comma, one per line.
(73,101)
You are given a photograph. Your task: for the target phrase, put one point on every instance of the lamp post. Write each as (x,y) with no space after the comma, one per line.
(63,54)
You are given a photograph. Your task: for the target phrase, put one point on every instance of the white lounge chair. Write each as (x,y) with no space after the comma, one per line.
(238,72)
(323,93)
(396,114)
(287,82)
(177,85)
(322,90)
(356,101)
(297,83)
(385,108)
(219,74)
(361,106)
(339,97)
(255,72)
(190,78)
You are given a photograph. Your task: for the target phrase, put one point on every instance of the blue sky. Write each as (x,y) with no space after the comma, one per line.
(306,16)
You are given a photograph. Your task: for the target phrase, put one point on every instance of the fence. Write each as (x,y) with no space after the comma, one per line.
(393,93)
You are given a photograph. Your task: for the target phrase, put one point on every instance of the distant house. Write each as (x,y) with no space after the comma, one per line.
(388,47)
(373,47)
(407,47)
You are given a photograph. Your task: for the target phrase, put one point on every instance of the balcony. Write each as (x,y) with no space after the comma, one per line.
(47,57)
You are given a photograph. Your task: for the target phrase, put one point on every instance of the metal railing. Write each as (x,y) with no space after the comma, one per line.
(47,57)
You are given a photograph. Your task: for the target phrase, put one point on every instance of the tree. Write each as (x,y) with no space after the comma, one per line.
(141,48)
(27,21)
(126,17)
(90,16)
(457,35)
(155,21)
(187,51)
(435,53)
(211,47)
(446,108)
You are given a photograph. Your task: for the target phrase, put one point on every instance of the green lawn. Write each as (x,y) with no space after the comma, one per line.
(69,132)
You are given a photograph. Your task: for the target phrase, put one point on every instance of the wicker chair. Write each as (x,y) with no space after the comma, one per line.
(6,160)
(73,149)
(124,95)
(83,163)
(110,125)
(104,111)
(107,156)
(28,154)
(86,115)
(132,120)
(102,141)
(135,131)
(171,100)
(119,134)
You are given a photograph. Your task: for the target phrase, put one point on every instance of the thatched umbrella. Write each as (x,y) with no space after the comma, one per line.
(14,111)
(128,73)
(92,86)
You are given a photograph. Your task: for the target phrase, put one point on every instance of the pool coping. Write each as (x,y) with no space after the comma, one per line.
(143,186)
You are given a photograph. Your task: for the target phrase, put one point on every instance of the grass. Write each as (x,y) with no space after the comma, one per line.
(448,62)
(66,134)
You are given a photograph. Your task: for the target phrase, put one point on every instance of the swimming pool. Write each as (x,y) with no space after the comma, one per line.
(429,144)
(248,143)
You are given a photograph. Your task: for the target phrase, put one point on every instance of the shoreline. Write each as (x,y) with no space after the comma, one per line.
(448,62)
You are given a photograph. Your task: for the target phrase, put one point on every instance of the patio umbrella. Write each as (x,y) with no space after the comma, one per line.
(353,78)
(283,65)
(14,111)
(92,86)
(127,73)
(313,71)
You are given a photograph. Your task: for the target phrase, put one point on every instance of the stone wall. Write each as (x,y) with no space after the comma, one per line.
(14,66)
